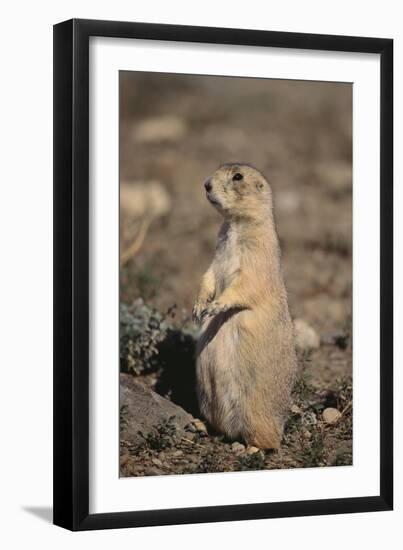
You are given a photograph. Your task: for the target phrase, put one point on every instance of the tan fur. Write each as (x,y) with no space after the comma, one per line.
(246,358)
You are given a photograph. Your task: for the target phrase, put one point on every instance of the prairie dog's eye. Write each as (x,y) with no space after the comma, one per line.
(237,177)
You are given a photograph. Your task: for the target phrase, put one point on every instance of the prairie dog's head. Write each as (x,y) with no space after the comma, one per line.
(239,191)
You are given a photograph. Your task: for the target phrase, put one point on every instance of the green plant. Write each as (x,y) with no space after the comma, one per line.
(303,389)
(123,420)
(313,450)
(293,423)
(342,458)
(344,392)
(251,462)
(211,463)
(162,437)
(141,329)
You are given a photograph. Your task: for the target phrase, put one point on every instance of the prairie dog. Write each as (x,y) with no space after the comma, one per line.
(246,358)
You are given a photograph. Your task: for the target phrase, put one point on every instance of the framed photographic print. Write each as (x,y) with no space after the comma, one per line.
(223,319)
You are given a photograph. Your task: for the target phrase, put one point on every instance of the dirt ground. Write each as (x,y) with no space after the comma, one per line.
(174,132)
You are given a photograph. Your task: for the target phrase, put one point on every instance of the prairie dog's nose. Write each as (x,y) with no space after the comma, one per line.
(207,185)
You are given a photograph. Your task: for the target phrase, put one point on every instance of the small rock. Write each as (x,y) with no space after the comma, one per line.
(237,448)
(177,453)
(295,409)
(251,450)
(199,425)
(161,455)
(306,434)
(330,415)
(157,462)
(181,462)
(306,338)
(151,471)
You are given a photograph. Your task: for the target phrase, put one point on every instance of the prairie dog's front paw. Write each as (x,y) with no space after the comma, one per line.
(209,310)
(198,310)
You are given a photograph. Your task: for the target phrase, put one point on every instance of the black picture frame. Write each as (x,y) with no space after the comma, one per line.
(71,274)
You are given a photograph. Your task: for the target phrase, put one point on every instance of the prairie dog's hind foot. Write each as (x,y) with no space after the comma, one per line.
(268,440)
(251,450)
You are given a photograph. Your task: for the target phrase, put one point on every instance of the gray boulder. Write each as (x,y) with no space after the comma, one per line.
(147,417)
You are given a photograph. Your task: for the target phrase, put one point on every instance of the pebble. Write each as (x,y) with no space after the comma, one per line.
(330,415)
(151,471)
(177,453)
(295,409)
(157,462)
(237,448)
(306,337)
(181,462)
